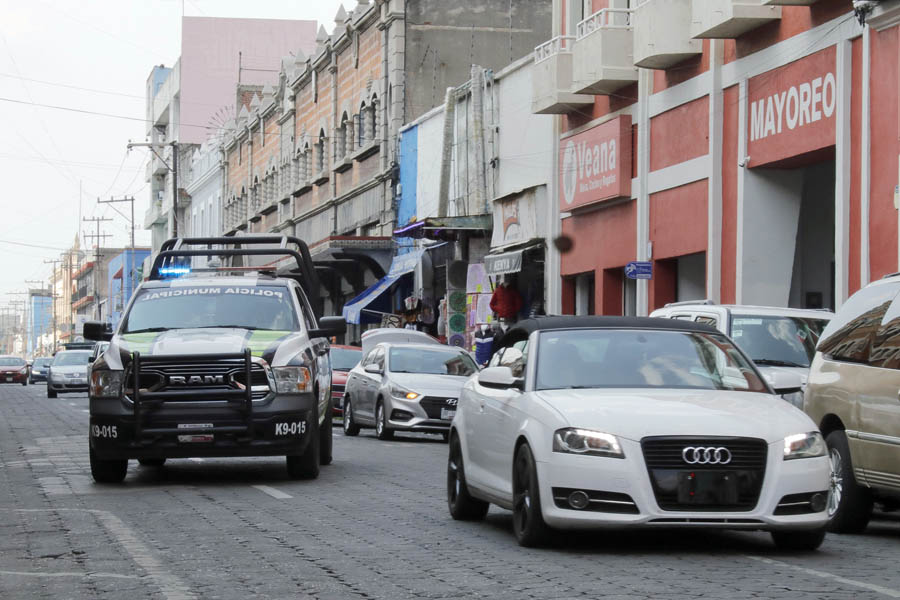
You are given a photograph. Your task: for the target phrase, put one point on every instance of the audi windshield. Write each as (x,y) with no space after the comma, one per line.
(612,358)
(232,306)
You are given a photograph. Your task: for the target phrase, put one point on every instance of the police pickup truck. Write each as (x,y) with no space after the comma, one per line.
(216,361)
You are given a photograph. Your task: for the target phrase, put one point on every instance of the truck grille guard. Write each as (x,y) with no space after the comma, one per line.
(238,397)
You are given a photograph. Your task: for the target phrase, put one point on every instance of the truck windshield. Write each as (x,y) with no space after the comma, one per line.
(245,307)
(776,340)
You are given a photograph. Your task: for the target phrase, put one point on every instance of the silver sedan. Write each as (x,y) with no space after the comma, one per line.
(406,387)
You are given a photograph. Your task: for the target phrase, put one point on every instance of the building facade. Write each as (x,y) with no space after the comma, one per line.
(316,155)
(738,147)
(40,323)
(123,277)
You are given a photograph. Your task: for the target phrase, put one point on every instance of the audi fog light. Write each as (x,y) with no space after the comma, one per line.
(584,441)
(292,380)
(402,393)
(804,445)
(106,384)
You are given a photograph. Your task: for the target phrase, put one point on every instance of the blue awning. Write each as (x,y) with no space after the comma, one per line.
(401,265)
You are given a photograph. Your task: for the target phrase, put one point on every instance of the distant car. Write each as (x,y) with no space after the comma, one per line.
(343,358)
(98,349)
(614,422)
(780,341)
(13,370)
(68,372)
(406,387)
(39,369)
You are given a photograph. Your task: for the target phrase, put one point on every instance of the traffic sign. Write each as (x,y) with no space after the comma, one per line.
(639,270)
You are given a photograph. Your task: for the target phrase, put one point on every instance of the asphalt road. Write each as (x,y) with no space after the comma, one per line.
(374,525)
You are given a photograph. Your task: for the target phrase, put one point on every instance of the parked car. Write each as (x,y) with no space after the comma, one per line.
(98,349)
(39,369)
(68,372)
(781,341)
(13,370)
(853,397)
(343,358)
(406,387)
(599,422)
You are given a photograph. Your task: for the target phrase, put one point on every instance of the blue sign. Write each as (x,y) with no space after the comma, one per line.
(639,270)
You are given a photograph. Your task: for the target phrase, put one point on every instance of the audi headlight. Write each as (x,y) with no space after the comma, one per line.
(402,393)
(584,441)
(804,445)
(106,384)
(292,380)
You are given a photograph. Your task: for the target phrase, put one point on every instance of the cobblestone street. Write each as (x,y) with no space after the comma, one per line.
(374,525)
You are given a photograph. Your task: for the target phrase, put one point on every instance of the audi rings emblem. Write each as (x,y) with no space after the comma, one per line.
(700,455)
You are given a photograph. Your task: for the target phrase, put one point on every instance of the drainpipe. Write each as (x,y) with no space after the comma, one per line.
(446,152)
(477,87)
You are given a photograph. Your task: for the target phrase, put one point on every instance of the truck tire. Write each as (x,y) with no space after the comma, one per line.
(306,465)
(108,471)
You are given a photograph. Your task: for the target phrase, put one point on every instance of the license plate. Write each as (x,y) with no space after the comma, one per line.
(447,414)
(195,438)
(707,487)
(79,381)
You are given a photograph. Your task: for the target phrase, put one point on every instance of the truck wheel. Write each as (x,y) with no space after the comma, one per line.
(849,504)
(108,471)
(306,465)
(326,441)
(51,393)
(350,428)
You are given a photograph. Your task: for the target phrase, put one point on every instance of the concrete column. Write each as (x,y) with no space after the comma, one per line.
(741,180)
(645,87)
(842,173)
(716,118)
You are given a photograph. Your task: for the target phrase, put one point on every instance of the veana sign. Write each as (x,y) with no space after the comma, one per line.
(595,165)
(791,109)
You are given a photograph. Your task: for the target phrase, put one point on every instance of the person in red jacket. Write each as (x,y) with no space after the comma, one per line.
(506,301)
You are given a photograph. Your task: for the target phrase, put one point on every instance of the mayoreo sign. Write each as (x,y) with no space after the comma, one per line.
(595,165)
(791,109)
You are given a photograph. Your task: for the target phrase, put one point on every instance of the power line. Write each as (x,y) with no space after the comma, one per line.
(72,87)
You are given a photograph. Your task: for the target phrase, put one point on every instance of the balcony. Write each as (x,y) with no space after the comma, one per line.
(662,33)
(728,19)
(551,79)
(789,2)
(603,55)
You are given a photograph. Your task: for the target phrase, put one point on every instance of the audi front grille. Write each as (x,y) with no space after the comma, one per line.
(724,481)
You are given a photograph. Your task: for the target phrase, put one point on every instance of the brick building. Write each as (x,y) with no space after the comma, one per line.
(747,149)
(316,154)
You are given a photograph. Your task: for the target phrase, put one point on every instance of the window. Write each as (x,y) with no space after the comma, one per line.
(703,320)
(345,137)
(886,346)
(321,162)
(849,335)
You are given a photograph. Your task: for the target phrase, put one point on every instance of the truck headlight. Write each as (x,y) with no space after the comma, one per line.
(292,380)
(106,384)
(804,445)
(585,441)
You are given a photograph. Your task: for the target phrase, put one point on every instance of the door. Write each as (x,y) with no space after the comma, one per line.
(501,418)
(372,383)
(879,410)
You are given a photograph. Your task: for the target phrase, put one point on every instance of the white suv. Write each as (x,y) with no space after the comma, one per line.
(781,341)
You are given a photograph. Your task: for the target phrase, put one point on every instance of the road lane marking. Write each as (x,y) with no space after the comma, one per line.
(169,585)
(825,575)
(74,574)
(272,492)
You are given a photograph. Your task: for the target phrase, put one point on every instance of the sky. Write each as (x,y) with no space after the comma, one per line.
(94,56)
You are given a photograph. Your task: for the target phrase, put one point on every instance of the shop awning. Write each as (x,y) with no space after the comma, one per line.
(503,263)
(432,227)
(400,266)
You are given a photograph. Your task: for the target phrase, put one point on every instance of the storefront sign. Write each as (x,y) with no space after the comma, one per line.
(515,218)
(595,165)
(500,264)
(791,110)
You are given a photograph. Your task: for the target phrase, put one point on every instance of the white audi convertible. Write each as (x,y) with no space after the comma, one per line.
(586,422)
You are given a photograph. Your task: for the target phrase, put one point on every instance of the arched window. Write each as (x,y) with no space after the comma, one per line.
(321,159)
(372,121)
(344,137)
(306,163)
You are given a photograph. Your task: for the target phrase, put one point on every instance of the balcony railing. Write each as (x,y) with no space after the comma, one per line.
(552,78)
(728,19)
(603,56)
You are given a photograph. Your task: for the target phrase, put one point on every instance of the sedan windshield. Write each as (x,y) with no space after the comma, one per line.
(42,362)
(246,307)
(777,341)
(69,359)
(344,359)
(11,361)
(615,358)
(433,362)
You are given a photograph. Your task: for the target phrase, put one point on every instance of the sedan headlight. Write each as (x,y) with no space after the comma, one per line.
(804,445)
(585,441)
(106,384)
(402,393)
(292,380)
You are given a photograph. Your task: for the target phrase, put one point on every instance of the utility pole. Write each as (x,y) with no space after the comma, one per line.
(173,168)
(99,237)
(131,257)
(53,297)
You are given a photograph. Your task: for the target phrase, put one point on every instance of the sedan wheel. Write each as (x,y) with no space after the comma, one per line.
(463,507)
(381,429)
(528,522)
(350,428)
